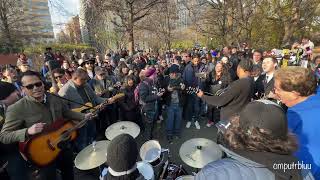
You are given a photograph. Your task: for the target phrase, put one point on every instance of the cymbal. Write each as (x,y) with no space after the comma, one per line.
(122,127)
(92,156)
(198,152)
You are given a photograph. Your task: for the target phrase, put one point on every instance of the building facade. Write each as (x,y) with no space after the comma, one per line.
(37,22)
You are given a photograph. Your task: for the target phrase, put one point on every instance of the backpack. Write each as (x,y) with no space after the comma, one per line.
(136,93)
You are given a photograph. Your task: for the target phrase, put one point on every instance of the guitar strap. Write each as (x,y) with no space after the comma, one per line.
(70,100)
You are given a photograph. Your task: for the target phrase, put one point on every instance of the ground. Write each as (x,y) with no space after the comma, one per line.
(192,132)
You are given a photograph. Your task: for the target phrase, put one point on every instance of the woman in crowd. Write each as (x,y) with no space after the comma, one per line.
(129,108)
(218,80)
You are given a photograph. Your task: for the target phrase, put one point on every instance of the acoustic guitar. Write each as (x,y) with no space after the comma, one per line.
(43,148)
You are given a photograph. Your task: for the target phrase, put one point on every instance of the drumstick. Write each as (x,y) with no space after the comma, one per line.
(164,169)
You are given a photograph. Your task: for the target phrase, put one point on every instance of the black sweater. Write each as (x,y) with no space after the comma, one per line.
(234,99)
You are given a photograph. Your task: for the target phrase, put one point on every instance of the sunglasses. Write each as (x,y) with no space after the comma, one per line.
(31,86)
(91,63)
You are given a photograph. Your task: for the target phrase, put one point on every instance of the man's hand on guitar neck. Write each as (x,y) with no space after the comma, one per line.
(110,100)
(89,116)
(36,128)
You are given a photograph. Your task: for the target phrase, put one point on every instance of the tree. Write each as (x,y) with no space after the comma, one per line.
(11,16)
(127,13)
(161,24)
(262,23)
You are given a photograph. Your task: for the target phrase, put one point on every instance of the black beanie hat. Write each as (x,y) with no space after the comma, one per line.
(122,153)
(267,115)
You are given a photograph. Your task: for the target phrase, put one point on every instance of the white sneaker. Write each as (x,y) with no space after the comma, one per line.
(188,124)
(197,124)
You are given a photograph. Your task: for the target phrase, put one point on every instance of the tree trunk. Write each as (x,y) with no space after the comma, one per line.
(130,32)
(6,28)
(131,41)
(292,24)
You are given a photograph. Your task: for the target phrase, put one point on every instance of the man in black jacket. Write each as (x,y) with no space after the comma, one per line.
(175,101)
(264,84)
(236,96)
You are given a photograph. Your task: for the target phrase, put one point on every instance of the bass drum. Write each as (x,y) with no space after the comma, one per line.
(187,177)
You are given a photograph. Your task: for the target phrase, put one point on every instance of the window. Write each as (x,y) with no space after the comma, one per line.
(40,4)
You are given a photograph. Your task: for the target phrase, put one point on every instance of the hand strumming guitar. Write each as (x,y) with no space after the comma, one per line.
(200,94)
(36,128)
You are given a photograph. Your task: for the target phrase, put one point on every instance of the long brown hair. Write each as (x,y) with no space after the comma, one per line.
(256,139)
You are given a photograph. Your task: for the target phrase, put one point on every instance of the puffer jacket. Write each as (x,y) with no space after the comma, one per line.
(251,166)
(148,96)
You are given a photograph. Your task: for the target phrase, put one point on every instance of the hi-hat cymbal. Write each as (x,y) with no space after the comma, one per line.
(92,156)
(199,152)
(122,127)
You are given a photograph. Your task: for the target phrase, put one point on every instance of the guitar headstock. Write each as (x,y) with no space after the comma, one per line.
(109,101)
(117,96)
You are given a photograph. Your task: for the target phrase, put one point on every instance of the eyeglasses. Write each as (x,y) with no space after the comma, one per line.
(58,77)
(31,86)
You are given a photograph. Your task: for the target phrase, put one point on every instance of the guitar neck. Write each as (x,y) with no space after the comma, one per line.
(97,110)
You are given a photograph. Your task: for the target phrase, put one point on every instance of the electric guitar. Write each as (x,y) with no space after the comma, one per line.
(43,148)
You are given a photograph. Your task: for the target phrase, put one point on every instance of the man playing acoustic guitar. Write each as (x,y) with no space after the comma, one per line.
(78,90)
(30,116)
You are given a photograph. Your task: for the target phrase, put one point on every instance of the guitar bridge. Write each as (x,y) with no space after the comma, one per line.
(50,145)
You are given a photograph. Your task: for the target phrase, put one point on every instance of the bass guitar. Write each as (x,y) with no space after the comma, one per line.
(43,148)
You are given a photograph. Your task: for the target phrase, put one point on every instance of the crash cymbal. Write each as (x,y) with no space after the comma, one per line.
(199,152)
(122,127)
(92,156)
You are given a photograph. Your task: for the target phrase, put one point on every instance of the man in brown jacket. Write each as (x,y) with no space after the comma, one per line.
(28,117)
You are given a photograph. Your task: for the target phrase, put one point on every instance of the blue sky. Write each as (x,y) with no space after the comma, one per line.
(62,11)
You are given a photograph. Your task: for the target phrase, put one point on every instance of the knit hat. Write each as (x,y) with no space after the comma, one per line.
(174,68)
(149,72)
(265,114)
(122,153)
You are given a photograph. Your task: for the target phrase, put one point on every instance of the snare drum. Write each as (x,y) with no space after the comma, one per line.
(186,177)
(144,168)
(150,152)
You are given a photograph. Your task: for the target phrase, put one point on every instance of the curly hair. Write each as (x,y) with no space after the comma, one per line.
(256,139)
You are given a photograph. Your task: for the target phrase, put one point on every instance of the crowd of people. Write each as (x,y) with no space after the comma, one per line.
(265,108)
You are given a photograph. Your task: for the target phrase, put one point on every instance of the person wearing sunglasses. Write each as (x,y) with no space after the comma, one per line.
(30,116)
(60,78)
(89,66)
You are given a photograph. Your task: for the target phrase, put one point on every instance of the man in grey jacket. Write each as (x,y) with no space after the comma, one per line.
(78,90)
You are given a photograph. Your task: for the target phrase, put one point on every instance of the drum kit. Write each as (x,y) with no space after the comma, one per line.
(155,163)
